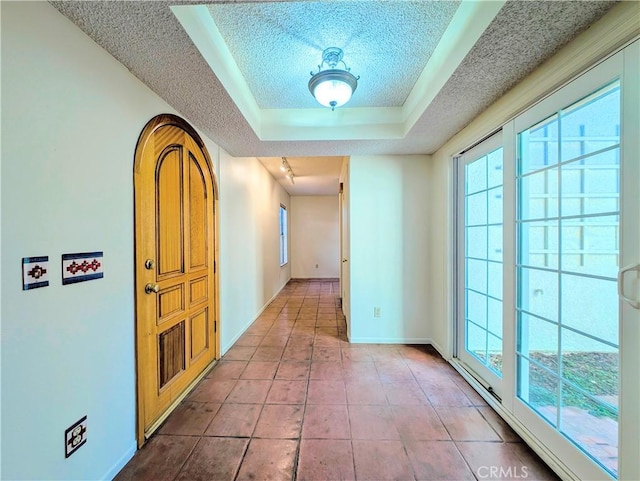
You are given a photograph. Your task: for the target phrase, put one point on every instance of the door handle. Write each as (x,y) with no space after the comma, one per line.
(151,288)
(630,268)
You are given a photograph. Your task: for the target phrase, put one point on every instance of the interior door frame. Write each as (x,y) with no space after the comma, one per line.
(146,135)
(567,460)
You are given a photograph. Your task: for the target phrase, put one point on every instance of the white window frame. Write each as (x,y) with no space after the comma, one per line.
(283,231)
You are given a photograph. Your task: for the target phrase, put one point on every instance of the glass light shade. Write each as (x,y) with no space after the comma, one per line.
(333,88)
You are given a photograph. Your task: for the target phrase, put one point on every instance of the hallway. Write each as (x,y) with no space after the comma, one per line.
(293,400)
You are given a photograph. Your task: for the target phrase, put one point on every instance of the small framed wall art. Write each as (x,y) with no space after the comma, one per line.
(80,267)
(35,272)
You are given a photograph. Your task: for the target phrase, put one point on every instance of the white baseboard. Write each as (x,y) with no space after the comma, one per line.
(224,349)
(122,462)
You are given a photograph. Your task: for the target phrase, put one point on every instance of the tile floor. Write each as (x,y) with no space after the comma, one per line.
(293,400)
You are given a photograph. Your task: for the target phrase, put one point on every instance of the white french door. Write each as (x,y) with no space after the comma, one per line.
(561,349)
(480,266)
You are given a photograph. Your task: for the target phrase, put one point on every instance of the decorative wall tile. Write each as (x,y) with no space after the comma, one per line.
(81,267)
(35,272)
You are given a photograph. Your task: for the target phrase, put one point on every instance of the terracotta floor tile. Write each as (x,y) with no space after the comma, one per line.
(275,341)
(190,418)
(430,372)
(501,457)
(445,396)
(393,371)
(381,461)
(304,339)
(249,391)
(466,424)
(268,459)
(326,392)
(536,468)
(437,461)
(260,370)
(237,420)
(283,421)
(419,423)
(287,392)
(297,354)
(365,392)
(257,330)
(214,458)
(210,390)
(359,371)
(326,421)
(159,460)
(471,393)
(416,352)
(268,353)
(327,347)
(405,393)
(326,370)
(227,370)
(326,354)
(499,425)
(247,340)
(385,353)
(372,422)
(293,392)
(356,354)
(293,370)
(239,353)
(324,460)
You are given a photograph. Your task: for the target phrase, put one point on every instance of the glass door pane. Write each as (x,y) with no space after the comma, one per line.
(567,310)
(480,261)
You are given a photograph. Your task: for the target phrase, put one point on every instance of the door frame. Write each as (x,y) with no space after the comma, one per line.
(146,135)
(567,460)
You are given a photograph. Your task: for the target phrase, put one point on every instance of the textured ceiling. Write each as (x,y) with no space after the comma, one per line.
(148,39)
(276,45)
(312,175)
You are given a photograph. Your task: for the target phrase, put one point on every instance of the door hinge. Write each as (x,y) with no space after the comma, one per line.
(215,326)
(214,267)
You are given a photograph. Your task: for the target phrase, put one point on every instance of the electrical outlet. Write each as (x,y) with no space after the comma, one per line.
(376,312)
(75,436)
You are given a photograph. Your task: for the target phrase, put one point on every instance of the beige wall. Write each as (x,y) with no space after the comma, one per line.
(315,236)
(71,119)
(388,230)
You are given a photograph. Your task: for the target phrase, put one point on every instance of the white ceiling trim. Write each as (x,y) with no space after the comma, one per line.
(467,25)
(469,22)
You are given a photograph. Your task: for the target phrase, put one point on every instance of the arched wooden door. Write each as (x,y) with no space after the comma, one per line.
(175,254)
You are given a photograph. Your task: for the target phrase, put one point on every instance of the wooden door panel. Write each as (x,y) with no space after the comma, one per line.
(169,217)
(197,216)
(199,333)
(175,259)
(171,353)
(198,290)
(170,302)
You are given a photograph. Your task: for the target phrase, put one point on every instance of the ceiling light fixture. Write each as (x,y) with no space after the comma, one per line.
(333,86)
(285,167)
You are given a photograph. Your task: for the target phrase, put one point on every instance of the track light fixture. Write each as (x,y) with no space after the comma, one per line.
(285,167)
